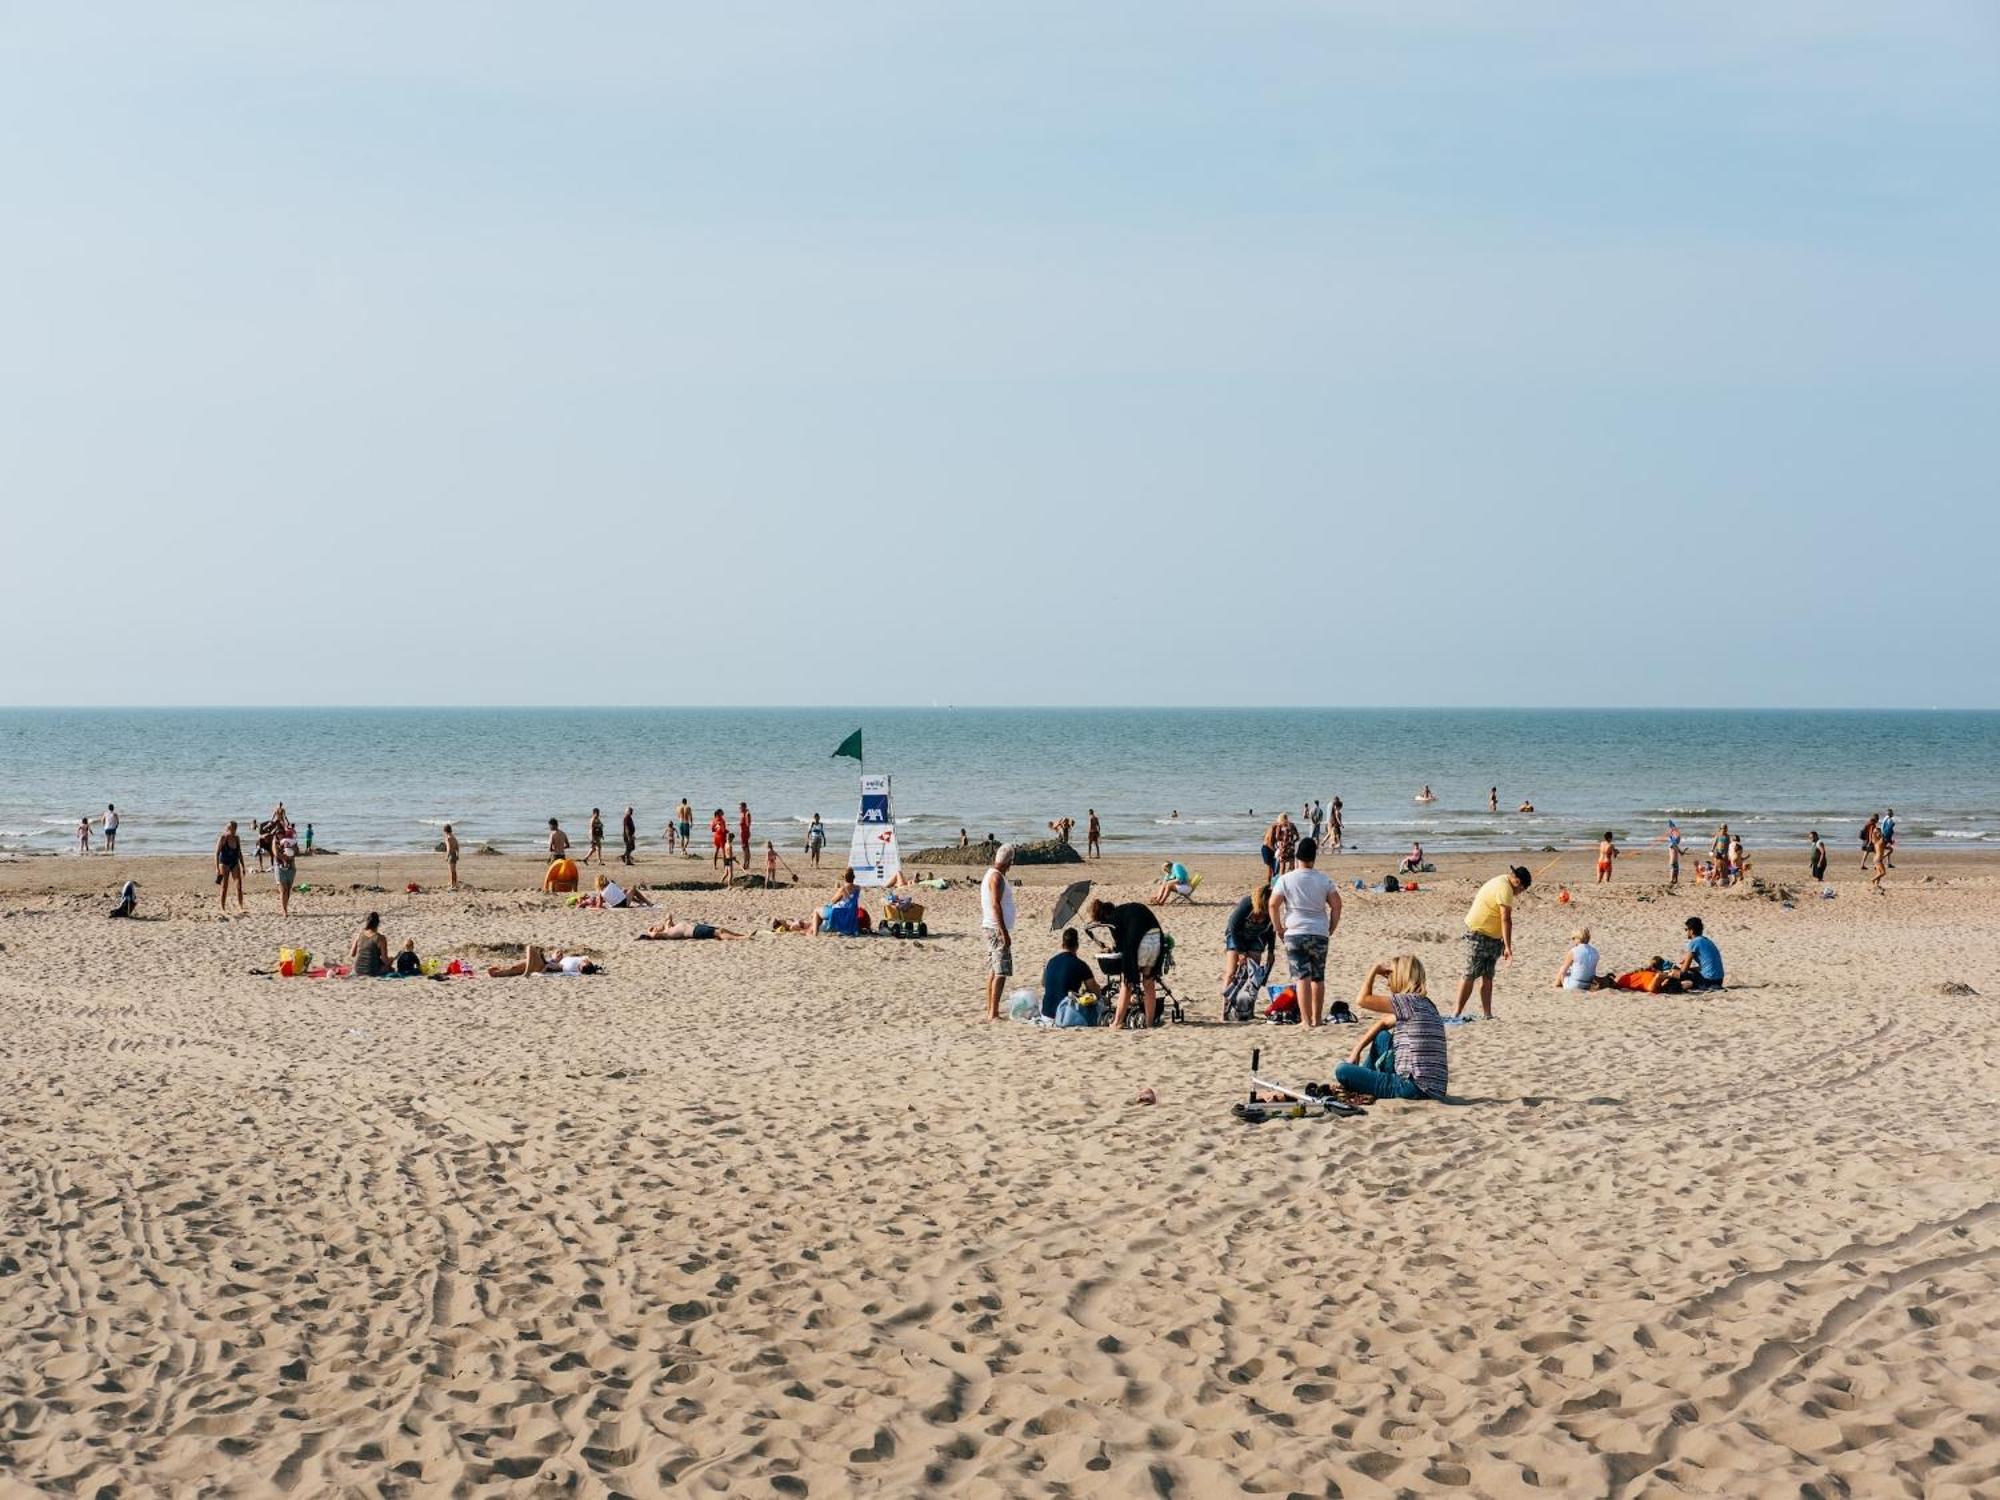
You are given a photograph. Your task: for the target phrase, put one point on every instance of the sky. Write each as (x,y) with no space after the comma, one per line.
(1262,352)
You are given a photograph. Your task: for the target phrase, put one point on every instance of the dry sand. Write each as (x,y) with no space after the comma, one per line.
(784,1217)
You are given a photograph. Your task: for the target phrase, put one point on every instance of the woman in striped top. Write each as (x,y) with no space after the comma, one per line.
(1402,1055)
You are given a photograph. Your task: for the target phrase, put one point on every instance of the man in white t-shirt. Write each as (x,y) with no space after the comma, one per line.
(1305,911)
(996,924)
(111,828)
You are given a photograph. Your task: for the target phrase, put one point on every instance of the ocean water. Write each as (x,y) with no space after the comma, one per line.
(1165,780)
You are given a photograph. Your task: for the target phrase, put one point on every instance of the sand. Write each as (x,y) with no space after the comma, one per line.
(785,1217)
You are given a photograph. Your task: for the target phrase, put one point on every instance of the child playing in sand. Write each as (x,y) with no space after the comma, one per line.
(1606,853)
(770,864)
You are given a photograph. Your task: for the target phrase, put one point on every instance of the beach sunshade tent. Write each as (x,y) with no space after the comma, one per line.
(1068,904)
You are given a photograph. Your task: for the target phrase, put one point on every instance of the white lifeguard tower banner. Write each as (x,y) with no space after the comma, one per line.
(873,853)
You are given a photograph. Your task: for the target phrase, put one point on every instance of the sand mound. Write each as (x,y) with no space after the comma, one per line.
(1039,852)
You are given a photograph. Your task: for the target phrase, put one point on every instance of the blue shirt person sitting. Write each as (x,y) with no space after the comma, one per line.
(1702,968)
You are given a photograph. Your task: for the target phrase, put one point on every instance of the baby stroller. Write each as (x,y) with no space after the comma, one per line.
(1112,964)
(1239,998)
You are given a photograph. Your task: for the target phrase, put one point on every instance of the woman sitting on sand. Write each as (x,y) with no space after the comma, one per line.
(370,951)
(1414,860)
(671,931)
(1402,1055)
(534,960)
(1579,965)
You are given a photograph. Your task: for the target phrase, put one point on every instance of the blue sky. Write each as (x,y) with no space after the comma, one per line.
(1251,353)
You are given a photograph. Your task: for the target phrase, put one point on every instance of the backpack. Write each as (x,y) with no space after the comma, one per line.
(1391,883)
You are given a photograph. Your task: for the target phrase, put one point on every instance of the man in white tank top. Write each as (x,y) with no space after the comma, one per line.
(996,923)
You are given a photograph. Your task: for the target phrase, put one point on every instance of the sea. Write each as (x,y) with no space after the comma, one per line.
(1165,781)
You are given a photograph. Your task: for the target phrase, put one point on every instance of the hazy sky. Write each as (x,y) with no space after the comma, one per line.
(1248,352)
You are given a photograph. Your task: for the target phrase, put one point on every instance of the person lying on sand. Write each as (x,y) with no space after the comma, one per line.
(671,931)
(610,895)
(534,960)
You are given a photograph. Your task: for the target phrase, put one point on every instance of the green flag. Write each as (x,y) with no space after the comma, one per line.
(849,747)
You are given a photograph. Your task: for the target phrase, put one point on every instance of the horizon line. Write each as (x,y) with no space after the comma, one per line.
(1909,708)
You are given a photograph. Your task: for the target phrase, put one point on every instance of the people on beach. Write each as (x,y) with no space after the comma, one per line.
(83,835)
(1579,965)
(1065,976)
(229,864)
(1282,838)
(670,931)
(111,828)
(685,814)
(1305,912)
(408,965)
(309,840)
(1673,852)
(815,840)
(611,896)
(996,926)
(1248,936)
(1880,868)
(1526,806)
(1402,1055)
(596,849)
(1816,856)
(128,900)
(1493,799)
(743,832)
(1885,833)
(629,830)
(718,836)
(1174,881)
(369,952)
(1138,941)
(1489,935)
(1335,825)
(451,856)
(1413,862)
(1093,844)
(1718,855)
(1607,854)
(537,960)
(1868,832)
(1701,968)
(285,866)
(1062,828)
(558,841)
(1739,863)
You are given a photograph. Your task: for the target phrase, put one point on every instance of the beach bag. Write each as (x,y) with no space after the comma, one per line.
(1284,1006)
(293,961)
(1390,883)
(1070,1013)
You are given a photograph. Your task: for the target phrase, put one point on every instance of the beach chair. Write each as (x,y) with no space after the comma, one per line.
(1184,892)
(843,918)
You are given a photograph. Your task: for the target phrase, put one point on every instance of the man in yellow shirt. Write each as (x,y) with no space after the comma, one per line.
(1489,935)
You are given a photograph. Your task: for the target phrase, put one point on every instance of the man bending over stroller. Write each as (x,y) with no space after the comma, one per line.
(1138,942)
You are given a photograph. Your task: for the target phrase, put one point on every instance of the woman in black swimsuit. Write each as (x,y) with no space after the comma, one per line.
(229,865)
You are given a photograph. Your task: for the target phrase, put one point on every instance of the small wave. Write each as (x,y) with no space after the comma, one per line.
(1959,833)
(435,822)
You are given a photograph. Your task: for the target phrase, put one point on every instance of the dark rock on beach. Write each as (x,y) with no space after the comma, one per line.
(1040,852)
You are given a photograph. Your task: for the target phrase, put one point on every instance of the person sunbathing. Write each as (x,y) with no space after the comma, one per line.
(671,931)
(610,895)
(786,924)
(1175,883)
(536,960)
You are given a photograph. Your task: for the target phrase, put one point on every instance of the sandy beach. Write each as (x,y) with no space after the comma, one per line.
(786,1217)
